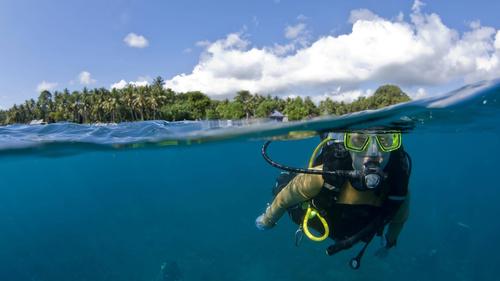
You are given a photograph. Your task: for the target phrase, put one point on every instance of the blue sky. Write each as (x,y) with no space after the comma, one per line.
(277,47)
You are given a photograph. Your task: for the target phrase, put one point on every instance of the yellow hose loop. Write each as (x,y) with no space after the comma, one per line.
(316,150)
(310,214)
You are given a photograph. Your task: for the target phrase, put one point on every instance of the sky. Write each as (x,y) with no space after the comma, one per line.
(336,49)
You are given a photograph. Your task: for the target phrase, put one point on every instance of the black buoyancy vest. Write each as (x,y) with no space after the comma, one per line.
(350,219)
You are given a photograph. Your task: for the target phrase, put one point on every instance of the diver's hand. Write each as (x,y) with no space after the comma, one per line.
(261,224)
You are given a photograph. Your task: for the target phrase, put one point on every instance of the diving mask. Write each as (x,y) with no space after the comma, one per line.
(358,142)
(370,154)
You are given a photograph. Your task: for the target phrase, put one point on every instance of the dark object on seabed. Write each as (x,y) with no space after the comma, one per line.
(169,271)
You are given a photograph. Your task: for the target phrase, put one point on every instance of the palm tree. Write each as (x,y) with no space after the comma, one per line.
(139,100)
(96,105)
(128,101)
(110,104)
(44,104)
(245,98)
(152,103)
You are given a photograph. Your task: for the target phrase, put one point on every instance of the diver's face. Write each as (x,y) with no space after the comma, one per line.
(370,157)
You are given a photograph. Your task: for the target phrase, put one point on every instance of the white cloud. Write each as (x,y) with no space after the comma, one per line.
(44,85)
(232,41)
(350,96)
(475,24)
(119,85)
(294,31)
(85,78)
(301,17)
(420,93)
(497,40)
(136,41)
(362,14)
(339,95)
(417,53)
(281,50)
(417,5)
(299,36)
(203,43)
(141,82)
(400,17)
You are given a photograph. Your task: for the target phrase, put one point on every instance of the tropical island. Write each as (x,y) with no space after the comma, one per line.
(154,102)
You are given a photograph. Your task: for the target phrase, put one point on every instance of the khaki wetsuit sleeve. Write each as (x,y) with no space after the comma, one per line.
(397,223)
(301,188)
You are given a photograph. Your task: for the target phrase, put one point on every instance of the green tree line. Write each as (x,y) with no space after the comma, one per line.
(154,102)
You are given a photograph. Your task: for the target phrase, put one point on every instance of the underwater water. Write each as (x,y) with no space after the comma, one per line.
(114,202)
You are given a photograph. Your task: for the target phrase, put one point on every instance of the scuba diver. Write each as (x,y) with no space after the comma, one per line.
(356,185)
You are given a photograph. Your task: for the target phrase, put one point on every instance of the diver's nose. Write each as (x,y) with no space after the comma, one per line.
(373,148)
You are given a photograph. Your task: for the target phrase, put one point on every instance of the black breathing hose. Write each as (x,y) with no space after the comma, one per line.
(347,173)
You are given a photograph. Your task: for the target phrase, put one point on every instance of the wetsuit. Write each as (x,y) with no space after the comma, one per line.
(347,210)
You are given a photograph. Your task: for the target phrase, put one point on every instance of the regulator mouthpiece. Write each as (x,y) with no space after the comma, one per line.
(373,175)
(372,181)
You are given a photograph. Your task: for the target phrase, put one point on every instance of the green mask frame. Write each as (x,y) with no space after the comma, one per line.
(358,141)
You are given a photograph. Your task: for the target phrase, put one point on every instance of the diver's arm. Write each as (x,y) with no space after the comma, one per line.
(397,223)
(301,188)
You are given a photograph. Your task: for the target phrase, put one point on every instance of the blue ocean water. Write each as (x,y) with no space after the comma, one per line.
(114,202)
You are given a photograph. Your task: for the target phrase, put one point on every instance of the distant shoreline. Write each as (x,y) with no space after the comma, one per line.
(154,102)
